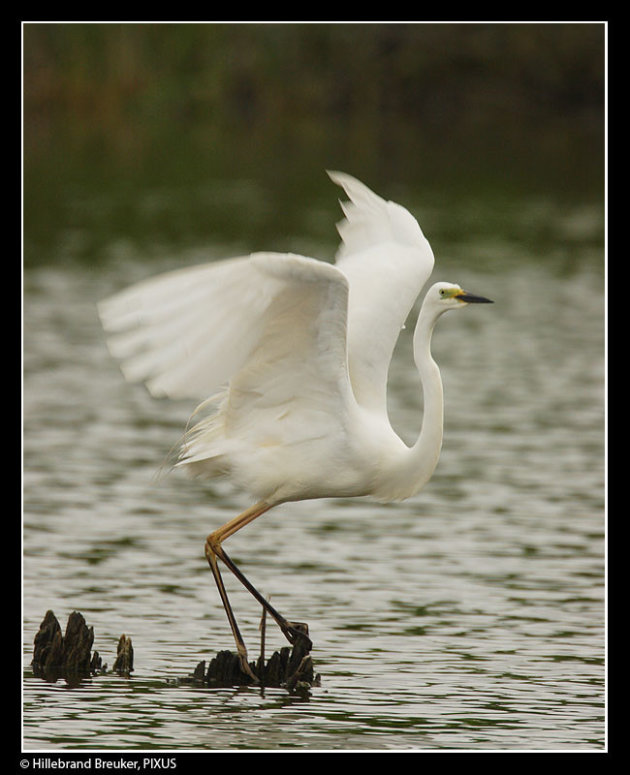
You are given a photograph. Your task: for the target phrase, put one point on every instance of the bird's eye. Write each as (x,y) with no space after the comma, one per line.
(442,292)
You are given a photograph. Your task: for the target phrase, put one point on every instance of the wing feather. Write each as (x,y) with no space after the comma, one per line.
(294,387)
(387,261)
(272,325)
(371,220)
(184,333)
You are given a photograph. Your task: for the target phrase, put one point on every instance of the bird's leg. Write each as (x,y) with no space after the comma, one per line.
(238,638)
(291,630)
(214,550)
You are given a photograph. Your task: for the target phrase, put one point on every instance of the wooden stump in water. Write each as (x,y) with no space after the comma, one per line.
(289,668)
(124,657)
(70,656)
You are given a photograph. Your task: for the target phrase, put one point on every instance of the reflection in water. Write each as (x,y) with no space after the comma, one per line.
(471,616)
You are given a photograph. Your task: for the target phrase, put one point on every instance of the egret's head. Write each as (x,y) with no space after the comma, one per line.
(449,296)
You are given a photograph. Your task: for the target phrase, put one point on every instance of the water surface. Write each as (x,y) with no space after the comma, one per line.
(469,617)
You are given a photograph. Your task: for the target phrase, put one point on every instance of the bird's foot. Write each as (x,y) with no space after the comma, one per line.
(245,666)
(297,631)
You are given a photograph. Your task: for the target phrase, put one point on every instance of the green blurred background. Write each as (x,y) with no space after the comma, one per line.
(170,135)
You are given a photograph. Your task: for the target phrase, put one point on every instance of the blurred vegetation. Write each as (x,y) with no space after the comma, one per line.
(279,72)
(114,109)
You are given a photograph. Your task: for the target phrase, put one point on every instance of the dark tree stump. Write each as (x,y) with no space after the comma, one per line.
(48,647)
(290,668)
(124,659)
(70,656)
(77,646)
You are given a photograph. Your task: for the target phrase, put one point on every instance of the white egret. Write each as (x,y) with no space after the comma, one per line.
(294,354)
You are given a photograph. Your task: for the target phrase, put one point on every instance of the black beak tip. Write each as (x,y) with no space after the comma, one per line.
(471,298)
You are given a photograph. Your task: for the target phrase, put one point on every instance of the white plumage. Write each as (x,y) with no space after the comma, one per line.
(289,357)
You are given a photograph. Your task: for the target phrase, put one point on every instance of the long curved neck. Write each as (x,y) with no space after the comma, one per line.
(424,455)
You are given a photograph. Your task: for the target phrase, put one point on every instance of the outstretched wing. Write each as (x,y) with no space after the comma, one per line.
(293,389)
(387,261)
(251,320)
(185,333)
